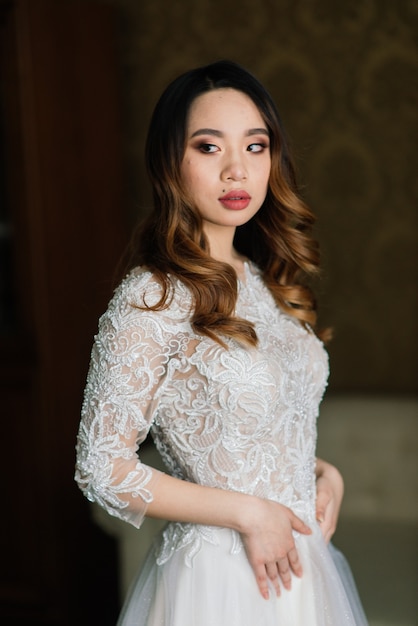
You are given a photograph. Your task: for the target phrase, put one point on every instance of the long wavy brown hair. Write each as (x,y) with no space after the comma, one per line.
(278,239)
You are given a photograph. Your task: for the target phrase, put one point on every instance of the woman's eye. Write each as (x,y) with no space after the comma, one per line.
(208,148)
(257,147)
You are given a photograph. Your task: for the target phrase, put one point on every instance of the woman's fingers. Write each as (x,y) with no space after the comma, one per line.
(288,566)
(326,513)
(299,525)
(294,562)
(271,549)
(273,573)
(329,494)
(280,570)
(322,501)
(285,573)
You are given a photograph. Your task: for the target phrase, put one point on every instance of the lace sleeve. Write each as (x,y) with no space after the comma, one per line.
(128,367)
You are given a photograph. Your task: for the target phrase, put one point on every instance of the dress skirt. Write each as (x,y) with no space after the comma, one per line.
(218,588)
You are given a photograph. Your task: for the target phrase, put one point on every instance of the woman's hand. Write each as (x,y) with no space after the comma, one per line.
(270,545)
(329,496)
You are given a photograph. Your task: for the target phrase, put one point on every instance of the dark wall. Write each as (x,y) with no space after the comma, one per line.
(344,77)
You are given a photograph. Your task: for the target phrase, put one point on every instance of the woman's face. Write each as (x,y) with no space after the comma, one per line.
(226,165)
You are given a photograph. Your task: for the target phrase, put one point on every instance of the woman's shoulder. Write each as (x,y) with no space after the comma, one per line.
(139,287)
(140,294)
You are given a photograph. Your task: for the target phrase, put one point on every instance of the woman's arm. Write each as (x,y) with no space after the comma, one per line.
(265,526)
(330,491)
(130,359)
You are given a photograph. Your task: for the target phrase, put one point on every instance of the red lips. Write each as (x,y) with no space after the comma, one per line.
(235,200)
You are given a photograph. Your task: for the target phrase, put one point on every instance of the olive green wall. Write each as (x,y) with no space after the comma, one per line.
(344,76)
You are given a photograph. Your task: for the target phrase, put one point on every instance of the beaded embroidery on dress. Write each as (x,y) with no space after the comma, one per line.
(242,419)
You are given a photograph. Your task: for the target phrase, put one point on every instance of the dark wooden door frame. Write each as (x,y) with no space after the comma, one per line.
(65,195)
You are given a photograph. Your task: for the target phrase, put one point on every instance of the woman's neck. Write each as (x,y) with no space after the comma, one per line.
(222,249)
(221,242)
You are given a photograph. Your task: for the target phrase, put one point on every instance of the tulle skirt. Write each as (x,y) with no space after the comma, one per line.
(218,589)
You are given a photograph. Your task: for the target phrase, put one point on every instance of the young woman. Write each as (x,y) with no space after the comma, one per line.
(209,343)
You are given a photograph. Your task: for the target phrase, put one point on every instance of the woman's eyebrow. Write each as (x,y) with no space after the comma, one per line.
(208,131)
(258,131)
(218,133)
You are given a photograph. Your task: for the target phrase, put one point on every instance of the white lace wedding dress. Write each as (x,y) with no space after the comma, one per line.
(242,419)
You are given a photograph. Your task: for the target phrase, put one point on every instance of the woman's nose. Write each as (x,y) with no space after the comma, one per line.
(234,169)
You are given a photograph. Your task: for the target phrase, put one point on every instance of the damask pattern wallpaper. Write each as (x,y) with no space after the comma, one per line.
(345,78)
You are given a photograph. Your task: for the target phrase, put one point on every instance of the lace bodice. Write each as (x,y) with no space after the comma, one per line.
(240,418)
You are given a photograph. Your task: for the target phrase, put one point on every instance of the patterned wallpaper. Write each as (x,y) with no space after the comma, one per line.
(344,76)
